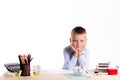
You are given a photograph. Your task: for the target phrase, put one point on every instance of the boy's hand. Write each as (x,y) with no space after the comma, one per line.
(79,52)
(74,50)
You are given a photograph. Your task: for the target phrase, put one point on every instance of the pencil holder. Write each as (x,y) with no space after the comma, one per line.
(25,69)
(25,64)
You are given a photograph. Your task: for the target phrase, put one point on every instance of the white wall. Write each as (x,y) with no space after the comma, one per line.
(43,27)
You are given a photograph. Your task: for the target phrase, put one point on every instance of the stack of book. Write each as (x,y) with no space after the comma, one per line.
(102,68)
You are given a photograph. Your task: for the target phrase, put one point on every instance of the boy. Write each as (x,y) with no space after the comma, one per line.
(76,53)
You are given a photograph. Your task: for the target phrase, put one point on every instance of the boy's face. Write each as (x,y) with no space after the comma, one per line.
(78,41)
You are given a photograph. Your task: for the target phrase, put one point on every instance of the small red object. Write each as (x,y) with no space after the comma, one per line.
(112,71)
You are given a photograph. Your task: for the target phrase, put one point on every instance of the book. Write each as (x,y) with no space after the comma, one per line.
(101,68)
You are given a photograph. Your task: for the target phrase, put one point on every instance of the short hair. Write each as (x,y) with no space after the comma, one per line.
(78,30)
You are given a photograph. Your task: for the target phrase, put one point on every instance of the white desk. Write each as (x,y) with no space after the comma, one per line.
(47,75)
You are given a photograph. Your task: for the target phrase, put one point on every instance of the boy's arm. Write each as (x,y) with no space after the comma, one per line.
(69,63)
(84,60)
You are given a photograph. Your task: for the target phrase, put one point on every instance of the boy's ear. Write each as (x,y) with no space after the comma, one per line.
(86,39)
(70,40)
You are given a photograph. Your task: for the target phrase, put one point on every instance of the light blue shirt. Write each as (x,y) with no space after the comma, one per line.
(70,61)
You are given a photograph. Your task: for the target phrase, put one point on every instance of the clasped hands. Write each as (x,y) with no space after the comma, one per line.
(77,52)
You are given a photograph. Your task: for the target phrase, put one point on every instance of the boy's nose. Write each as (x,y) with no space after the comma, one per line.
(78,42)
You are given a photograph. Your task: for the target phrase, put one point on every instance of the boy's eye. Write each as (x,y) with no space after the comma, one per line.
(74,40)
(81,41)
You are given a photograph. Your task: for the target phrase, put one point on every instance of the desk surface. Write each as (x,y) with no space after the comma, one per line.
(60,76)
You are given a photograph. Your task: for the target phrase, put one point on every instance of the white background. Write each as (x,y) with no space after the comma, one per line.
(43,27)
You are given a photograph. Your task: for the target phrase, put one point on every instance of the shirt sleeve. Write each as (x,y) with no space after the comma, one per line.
(84,60)
(69,63)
